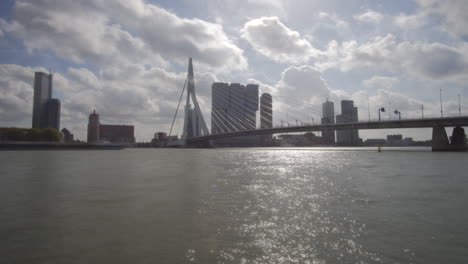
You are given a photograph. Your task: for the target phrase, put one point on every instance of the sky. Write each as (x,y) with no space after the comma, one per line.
(128,59)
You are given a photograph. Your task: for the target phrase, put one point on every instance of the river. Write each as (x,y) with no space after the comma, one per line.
(289,205)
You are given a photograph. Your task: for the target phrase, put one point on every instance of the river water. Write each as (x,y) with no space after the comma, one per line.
(301,205)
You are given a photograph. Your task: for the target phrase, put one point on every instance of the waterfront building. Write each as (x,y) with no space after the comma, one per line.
(3,133)
(233,107)
(395,140)
(408,141)
(53,113)
(308,139)
(266,111)
(375,142)
(67,137)
(160,136)
(93,127)
(117,133)
(349,114)
(328,117)
(266,117)
(42,94)
(46,111)
(161,139)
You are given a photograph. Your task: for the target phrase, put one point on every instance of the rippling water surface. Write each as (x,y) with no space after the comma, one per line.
(233,206)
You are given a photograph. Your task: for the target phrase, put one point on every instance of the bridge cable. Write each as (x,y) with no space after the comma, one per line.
(177,109)
(238,110)
(236,120)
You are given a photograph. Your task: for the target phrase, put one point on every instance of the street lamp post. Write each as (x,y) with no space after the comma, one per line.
(381,110)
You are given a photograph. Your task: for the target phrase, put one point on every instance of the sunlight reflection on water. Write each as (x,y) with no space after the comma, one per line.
(289,219)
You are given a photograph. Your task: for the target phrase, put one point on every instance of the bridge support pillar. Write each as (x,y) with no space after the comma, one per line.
(440,141)
(202,144)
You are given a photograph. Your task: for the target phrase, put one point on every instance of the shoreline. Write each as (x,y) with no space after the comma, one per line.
(57,146)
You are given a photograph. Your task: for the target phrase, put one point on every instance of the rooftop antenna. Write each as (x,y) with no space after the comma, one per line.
(441,111)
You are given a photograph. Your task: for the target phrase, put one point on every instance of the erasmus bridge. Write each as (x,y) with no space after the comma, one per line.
(195,131)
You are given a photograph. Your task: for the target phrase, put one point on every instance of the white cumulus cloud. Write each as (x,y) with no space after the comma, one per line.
(369,16)
(270,37)
(453,13)
(380,82)
(107,32)
(433,61)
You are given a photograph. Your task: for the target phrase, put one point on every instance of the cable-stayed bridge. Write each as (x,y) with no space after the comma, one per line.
(440,139)
(237,123)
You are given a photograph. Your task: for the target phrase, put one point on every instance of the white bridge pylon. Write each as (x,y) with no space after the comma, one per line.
(194,124)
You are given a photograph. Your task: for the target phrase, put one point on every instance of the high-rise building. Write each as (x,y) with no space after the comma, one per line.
(266,111)
(328,117)
(46,110)
(266,118)
(233,107)
(93,127)
(349,114)
(53,113)
(42,94)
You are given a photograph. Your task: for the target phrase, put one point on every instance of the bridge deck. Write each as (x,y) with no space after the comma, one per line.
(406,123)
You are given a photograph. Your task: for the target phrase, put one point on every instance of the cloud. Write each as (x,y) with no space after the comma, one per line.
(350,54)
(304,82)
(302,89)
(369,16)
(270,37)
(336,21)
(107,32)
(453,13)
(396,101)
(369,101)
(16,96)
(300,93)
(380,82)
(329,27)
(413,21)
(433,61)
(264,87)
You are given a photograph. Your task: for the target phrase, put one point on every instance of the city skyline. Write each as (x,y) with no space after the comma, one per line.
(380,54)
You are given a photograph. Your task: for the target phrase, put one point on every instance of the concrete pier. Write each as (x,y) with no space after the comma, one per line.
(440,141)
